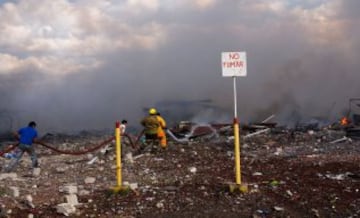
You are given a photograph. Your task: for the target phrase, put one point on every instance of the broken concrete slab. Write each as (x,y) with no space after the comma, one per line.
(65,209)
(69,189)
(36,172)
(8,175)
(90,180)
(14,191)
(71,199)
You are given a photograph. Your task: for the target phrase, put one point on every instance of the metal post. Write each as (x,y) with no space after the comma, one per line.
(235,97)
(118,154)
(237,138)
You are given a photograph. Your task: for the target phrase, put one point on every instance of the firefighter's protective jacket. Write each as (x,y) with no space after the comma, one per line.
(151,124)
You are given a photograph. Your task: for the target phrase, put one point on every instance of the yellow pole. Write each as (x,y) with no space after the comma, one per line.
(118,154)
(237,151)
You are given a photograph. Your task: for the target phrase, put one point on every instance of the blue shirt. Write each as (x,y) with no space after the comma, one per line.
(27,135)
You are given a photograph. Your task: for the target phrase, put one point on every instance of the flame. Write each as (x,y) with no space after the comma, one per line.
(344,121)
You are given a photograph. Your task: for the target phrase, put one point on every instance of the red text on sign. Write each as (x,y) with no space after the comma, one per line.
(234,56)
(233,64)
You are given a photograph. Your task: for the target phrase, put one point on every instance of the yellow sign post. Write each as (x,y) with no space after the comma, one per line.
(119,187)
(233,65)
(237,151)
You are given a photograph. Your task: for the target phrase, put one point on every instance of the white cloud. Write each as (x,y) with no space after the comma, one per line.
(177,6)
(9,63)
(277,6)
(47,65)
(143,4)
(317,22)
(83,30)
(203,4)
(321,25)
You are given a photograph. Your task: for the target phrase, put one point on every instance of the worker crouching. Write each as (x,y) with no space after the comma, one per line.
(154,127)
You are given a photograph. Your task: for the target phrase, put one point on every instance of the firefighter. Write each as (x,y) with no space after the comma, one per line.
(161,130)
(154,126)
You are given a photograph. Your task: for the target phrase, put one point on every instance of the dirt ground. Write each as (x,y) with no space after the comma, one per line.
(301,174)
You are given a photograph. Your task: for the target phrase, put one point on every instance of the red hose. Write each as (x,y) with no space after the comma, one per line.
(78,152)
(134,145)
(12,147)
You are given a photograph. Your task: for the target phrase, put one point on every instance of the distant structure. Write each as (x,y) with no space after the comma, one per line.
(175,111)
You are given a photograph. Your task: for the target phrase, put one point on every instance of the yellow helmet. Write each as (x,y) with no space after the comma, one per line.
(152,111)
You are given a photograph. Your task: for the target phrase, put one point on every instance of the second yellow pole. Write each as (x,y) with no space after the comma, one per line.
(118,154)
(237,152)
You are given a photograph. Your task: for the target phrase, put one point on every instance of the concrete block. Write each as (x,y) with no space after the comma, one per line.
(133,186)
(15,191)
(84,192)
(29,201)
(129,158)
(65,209)
(12,176)
(69,189)
(36,172)
(61,169)
(90,180)
(71,199)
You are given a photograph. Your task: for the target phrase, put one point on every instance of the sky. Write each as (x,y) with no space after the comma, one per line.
(83,64)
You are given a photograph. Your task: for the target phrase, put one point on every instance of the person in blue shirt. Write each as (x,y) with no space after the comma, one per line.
(26,136)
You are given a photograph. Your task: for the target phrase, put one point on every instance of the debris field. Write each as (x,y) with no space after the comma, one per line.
(289,173)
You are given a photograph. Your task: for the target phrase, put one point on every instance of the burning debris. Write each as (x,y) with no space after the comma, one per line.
(351,122)
(189,177)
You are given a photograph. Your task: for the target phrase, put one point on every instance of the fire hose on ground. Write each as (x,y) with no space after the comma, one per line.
(182,140)
(12,147)
(134,143)
(78,152)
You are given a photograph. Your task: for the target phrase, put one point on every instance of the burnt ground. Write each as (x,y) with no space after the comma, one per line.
(288,175)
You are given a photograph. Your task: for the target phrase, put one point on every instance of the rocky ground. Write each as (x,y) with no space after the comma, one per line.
(288,174)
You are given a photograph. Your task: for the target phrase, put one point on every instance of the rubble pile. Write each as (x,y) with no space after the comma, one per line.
(290,173)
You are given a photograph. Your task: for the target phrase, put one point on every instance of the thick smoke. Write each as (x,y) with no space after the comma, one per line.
(302,63)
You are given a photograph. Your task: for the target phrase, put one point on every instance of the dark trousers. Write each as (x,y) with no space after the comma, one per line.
(151,136)
(23,148)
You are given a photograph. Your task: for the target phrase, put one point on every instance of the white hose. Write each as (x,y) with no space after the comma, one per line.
(186,139)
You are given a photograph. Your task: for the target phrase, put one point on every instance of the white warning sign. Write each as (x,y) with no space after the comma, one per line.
(233,64)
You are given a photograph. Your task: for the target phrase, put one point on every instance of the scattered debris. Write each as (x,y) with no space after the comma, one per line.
(268,119)
(15,191)
(65,209)
(192,169)
(69,189)
(339,140)
(257,133)
(89,180)
(92,160)
(283,167)
(12,176)
(276,208)
(36,172)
